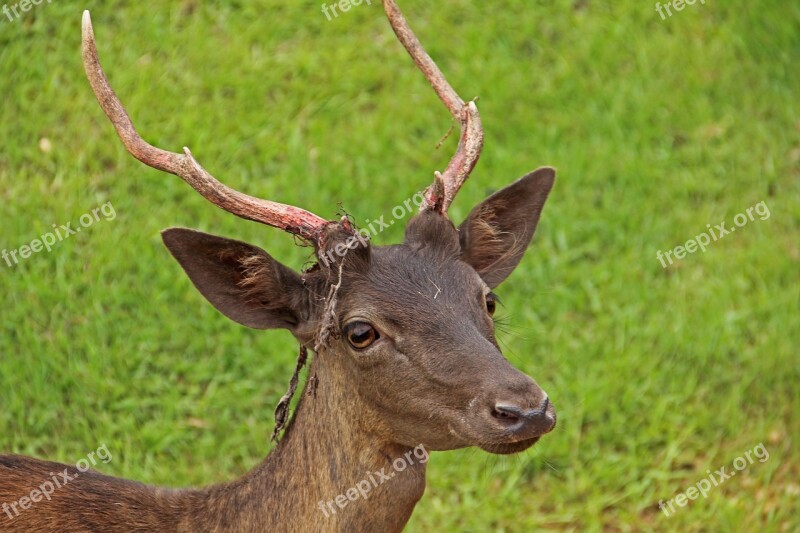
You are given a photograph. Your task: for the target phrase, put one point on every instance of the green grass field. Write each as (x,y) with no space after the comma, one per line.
(657,128)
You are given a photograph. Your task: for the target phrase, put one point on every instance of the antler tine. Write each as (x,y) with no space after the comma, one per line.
(286,217)
(440,195)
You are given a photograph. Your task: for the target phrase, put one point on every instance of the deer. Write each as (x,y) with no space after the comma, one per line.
(404,353)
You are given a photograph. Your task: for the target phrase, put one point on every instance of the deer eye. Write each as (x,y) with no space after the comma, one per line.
(491,303)
(361,335)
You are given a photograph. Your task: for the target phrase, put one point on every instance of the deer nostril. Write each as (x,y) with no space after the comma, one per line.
(511,413)
(518,419)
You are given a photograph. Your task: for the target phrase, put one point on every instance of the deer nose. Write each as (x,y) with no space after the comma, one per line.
(526,423)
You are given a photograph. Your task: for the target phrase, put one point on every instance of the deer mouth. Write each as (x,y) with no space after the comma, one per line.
(509,448)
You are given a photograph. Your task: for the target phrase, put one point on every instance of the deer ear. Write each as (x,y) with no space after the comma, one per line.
(242,281)
(497,232)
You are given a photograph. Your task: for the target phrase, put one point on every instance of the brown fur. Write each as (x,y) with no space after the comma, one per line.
(435,378)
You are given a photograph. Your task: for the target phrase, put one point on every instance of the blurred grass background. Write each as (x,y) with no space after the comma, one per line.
(658,127)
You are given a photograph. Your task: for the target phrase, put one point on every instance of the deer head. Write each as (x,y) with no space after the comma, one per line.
(406,329)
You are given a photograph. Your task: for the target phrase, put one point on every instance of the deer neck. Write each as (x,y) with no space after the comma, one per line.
(332,470)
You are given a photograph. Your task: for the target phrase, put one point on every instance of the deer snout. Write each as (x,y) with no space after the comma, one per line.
(510,412)
(525,423)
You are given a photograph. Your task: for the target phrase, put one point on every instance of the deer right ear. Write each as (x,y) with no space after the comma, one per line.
(497,232)
(242,281)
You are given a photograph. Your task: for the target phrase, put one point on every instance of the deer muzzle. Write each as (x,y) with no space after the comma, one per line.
(511,415)
(524,423)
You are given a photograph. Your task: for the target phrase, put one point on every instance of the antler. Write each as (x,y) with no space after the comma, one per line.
(445,186)
(286,217)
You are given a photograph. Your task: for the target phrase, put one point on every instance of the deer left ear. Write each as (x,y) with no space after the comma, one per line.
(241,280)
(497,232)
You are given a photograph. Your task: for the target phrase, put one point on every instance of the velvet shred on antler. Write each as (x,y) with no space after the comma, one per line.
(282,411)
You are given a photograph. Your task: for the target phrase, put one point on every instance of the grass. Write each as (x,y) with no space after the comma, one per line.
(658,128)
